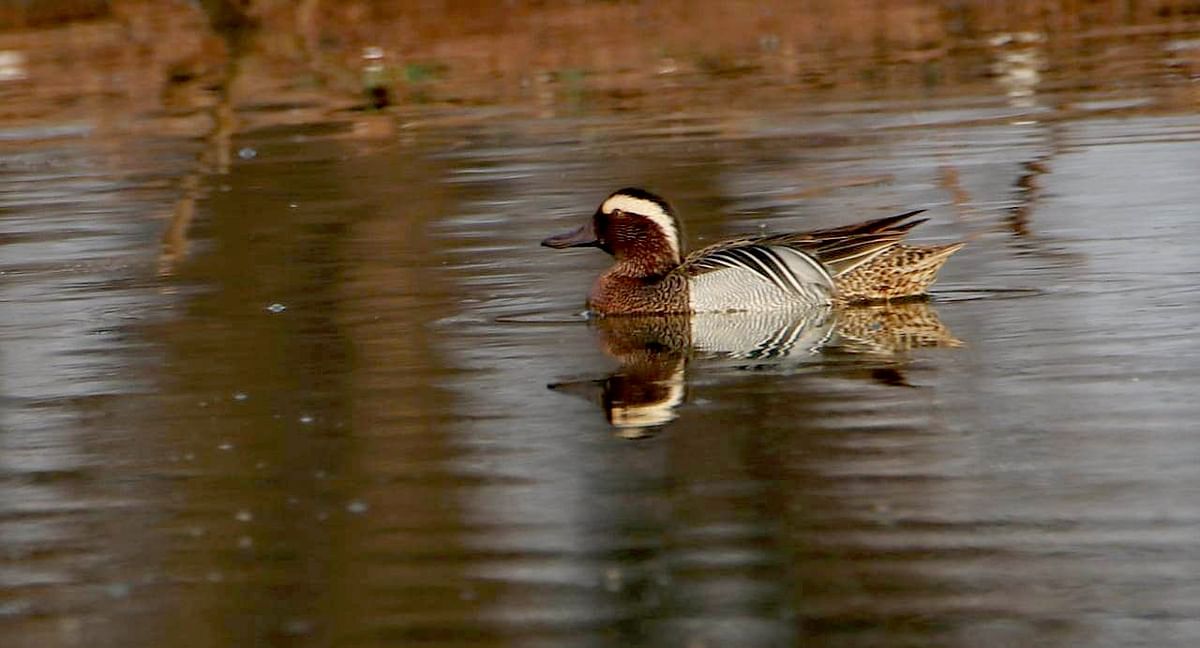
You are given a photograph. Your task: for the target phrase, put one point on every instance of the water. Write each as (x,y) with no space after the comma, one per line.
(332,392)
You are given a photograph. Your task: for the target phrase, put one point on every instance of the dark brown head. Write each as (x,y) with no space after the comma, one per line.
(637,227)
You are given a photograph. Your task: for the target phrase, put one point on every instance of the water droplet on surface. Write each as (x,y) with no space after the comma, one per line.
(225,445)
(357,507)
(244,516)
(307,419)
(247,153)
(245,542)
(118,590)
(613,580)
(240,396)
(297,627)
(276,308)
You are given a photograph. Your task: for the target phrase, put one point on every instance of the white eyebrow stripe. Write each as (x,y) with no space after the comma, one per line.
(631,204)
(649,209)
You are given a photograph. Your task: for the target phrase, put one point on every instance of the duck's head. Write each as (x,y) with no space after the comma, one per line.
(633,225)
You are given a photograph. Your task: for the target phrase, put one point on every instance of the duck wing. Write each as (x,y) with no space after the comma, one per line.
(839,249)
(748,275)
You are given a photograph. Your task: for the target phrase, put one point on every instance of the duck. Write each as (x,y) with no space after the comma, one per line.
(866,262)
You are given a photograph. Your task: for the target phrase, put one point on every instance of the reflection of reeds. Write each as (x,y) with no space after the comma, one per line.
(640,55)
(1028,191)
(43,13)
(675,54)
(214,158)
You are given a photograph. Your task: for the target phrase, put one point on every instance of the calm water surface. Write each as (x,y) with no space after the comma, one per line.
(313,382)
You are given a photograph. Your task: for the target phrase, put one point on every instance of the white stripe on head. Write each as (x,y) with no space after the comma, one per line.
(649,209)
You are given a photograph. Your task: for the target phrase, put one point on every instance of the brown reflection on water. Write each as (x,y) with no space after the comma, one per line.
(643,394)
(273,365)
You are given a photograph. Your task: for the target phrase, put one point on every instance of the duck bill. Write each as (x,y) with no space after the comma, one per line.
(582,237)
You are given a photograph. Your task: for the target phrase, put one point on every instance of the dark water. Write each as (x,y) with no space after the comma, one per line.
(287,384)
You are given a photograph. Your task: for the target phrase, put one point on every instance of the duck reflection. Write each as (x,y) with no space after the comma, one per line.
(645,392)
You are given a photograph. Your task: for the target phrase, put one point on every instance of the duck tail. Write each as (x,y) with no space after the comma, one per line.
(900,272)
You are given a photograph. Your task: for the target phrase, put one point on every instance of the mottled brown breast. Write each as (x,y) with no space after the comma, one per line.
(621,294)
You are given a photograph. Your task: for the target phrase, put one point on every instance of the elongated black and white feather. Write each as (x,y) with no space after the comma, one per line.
(757,277)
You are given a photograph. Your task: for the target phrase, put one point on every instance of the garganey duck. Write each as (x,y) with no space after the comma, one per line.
(865,262)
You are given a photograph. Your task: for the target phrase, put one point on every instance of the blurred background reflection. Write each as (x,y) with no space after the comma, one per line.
(276,334)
